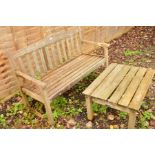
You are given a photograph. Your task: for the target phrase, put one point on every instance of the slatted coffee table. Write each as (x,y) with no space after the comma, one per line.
(121,87)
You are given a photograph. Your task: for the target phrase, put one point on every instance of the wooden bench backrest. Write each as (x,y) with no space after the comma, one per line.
(49,53)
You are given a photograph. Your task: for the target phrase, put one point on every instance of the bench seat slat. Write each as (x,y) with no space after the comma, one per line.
(73,78)
(61,70)
(70,72)
(61,83)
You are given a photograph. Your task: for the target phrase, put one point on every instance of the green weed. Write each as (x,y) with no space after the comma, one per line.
(57,113)
(59,102)
(73,111)
(147,115)
(144,118)
(132,53)
(102,109)
(3,120)
(16,107)
(122,115)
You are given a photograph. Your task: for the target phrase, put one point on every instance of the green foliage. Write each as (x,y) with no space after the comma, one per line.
(59,102)
(122,115)
(15,108)
(61,110)
(147,115)
(73,111)
(144,118)
(131,53)
(57,113)
(3,120)
(99,108)
(91,77)
(80,87)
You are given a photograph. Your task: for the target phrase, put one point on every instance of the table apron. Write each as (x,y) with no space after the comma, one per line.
(114,106)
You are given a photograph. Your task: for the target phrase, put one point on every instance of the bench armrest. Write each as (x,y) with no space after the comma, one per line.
(104,45)
(31,79)
(97,43)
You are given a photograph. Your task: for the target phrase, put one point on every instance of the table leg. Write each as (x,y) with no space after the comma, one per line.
(132,119)
(89,107)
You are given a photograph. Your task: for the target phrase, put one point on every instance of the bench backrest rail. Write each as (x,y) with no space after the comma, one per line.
(48,53)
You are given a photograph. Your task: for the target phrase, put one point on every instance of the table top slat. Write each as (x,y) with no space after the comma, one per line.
(99,79)
(98,92)
(123,85)
(115,83)
(142,90)
(129,93)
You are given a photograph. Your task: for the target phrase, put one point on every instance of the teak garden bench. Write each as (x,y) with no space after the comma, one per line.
(53,65)
(121,87)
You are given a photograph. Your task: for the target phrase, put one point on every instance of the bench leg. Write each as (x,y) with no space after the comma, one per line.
(89,108)
(132,119)
(24,98)
(49,113)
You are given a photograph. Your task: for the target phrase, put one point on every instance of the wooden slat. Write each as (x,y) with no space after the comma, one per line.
(21,64)
(59,53)
(62,70)
(43,63)
(8,85)
(54,56)
(9,77)
(38,67)
(73,49)
(54,82)
(142,90)
(67,84)
(68,48)
(8,91)
(57,77)
(6,74)
(107,81)
(64,50)
(99,79)
(49,60)
(69,74)
(123,85)
(115,83)
(4,68)
(31,79)
(46,41)
(33,95)
(126,98)
(30,67)
(78,46)
(115,106)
